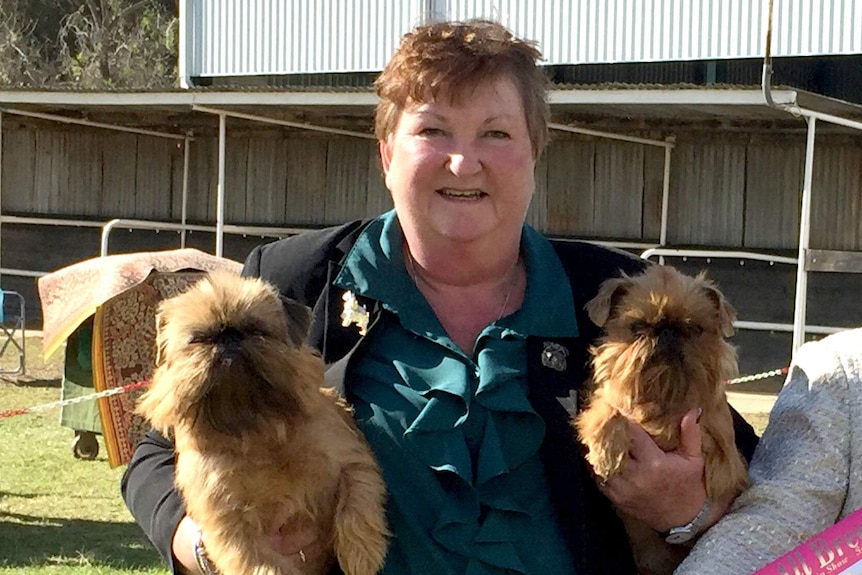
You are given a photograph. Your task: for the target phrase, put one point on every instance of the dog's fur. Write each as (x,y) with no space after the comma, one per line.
(663,353)
(260,444)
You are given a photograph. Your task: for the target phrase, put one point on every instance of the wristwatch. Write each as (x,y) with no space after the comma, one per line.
(687,532)
(201,558)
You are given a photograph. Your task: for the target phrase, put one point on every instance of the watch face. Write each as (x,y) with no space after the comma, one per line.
(680,535)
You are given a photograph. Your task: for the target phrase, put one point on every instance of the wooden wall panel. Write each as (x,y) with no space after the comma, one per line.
(836,198)
(618,202)
(653,178)
(85,188)
(153,179)
(305,196)
(19,169)
(346,179)
(773,190)
(727,189)
(119,172)
(571,187)
(203,179)
(707,197)
(537,215)
(266,179)
(235,179)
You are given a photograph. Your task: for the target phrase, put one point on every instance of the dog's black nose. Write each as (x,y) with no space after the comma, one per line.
(669,339)
(228,336)
(227,344)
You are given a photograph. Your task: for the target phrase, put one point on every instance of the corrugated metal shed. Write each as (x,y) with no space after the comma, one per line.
(273,37)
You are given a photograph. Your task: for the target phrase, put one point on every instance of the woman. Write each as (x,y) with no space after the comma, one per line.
(461,378)
(806,473)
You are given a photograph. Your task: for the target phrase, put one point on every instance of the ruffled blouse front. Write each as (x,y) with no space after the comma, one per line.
(456,436)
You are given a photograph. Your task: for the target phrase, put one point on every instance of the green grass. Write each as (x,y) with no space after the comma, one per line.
(59,515)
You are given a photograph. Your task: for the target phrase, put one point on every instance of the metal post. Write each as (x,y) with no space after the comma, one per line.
(804,233)
(222,121)
(665,197)
(183,214)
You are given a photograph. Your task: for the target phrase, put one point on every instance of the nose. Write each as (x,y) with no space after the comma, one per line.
(464,161)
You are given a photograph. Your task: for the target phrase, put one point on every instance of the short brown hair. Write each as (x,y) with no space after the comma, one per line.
(451,57)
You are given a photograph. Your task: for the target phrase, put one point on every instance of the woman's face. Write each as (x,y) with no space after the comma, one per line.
(462,170)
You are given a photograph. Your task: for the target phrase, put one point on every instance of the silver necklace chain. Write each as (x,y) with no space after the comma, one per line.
(512,280)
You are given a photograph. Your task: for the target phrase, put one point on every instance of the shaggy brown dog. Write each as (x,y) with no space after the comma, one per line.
(662,354)
(259,444)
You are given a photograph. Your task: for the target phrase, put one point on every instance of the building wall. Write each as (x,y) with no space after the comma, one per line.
(726,188)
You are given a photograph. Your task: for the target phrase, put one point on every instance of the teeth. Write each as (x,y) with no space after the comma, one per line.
(465,194)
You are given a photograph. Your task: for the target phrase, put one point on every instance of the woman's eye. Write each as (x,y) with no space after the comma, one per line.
(430,132)
(499,134)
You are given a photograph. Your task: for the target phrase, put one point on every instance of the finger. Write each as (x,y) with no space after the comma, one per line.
(690,438)
(642,446)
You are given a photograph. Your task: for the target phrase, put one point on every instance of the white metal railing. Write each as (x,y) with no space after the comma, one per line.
(107,227)
(263,231)
(731,254)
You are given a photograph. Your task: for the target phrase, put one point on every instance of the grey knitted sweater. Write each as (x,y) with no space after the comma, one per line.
(807,470)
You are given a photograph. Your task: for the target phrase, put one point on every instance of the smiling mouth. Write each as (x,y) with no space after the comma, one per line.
(462,194)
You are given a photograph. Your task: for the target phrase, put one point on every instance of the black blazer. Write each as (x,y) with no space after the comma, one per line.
(303,268)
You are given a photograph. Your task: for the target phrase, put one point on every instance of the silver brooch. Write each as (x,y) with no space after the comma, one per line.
(554,356)
(354,313)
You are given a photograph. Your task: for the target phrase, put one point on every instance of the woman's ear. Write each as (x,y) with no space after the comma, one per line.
(385,158)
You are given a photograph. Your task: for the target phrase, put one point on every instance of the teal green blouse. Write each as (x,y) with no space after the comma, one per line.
(455,436)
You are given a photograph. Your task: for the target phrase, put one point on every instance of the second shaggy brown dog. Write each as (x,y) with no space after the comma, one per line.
(663,354)
(259,444)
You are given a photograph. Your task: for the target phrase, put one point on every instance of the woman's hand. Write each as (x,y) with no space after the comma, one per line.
(664,489)
(297,539)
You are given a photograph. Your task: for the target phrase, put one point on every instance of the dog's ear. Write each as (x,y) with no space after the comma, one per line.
(298,318)
(160,338)
(599,308)
(726,312)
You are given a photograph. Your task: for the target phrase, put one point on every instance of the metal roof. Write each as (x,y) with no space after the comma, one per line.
(353,108)
(221,38)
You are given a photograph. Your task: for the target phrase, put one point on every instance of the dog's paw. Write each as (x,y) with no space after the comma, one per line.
(605,433)
(361,533)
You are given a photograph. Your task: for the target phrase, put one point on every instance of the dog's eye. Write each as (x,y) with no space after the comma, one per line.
(638,327)
(196,338)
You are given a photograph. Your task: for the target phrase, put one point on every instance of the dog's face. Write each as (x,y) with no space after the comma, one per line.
(664,338)
(228,351)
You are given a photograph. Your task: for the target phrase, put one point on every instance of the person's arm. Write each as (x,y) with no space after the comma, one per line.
(799,473)
(148,490)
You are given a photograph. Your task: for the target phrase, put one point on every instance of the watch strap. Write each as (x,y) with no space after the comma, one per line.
(689,531)
(201,558)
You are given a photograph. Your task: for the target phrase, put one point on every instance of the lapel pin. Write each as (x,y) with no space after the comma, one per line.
(354,313)
(554,356)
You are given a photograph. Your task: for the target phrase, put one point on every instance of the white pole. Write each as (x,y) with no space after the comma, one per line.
(185,190)
(222,120)
(665,198)
(804,233)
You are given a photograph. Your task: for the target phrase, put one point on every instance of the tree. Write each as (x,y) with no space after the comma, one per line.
(22,60)
(89,43)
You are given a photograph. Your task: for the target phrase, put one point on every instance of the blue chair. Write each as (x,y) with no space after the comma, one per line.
(12,325)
